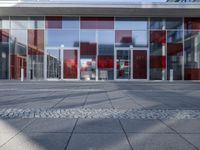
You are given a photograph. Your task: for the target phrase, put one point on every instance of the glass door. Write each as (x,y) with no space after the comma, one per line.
(123,65)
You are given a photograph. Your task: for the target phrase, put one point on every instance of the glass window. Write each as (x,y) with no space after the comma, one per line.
(175,36)
(192,23)
(157,23)
(123,38)
(174,23)
(68,38)
(123,23)
(53,22)
(4,60)
(70,23)
(19,22)
(139,38)
(4,23)
(36,22)
(97,22)
(4,36)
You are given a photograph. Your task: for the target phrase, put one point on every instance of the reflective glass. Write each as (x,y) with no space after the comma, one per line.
(53,22)
(4,60)
(19,22)
(123,38)
(4,23)
(192,55)
(4,36)
(70,23)
(68,38)
(124,23)
(139,38)
(36,22)
(192,23)
(157,23)
(174,23)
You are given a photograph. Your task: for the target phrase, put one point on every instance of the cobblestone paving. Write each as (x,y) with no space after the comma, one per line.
(99,113)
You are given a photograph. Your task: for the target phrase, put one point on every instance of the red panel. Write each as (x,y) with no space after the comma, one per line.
(192,74)
(16,63)
(70,64)
(35,42)
(174,49)
(97,23)
(163,62)
(155,61)
(53,22)
(105,62)
(192,23)
(123,36)
(4,35)
(139,64)
(158,37)
(88,49)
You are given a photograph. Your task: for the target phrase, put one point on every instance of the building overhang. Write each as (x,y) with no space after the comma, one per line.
(13,8)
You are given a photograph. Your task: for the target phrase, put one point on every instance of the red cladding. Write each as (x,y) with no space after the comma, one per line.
(192,74)
(70,64)
(192,23)
(123,36)
(4,35)
(174,49)
(88,49)
(53,22)
(105,62)
(97,22)
(158,37)
(139,64)
(35,42)
(158,62)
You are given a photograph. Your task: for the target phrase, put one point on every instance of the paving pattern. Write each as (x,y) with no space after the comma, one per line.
(62,115)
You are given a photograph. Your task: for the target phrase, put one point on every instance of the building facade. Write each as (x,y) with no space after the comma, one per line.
(74,41)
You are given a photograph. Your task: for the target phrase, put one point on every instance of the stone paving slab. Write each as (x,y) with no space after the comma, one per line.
(193,138)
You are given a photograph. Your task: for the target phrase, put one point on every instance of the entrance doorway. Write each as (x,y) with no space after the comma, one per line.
(131,64)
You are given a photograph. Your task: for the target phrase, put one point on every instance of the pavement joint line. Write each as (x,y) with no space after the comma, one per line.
(179,134)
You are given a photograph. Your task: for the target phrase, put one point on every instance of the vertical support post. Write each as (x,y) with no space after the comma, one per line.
(22,74)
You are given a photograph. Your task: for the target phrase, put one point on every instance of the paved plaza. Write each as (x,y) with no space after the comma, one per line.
(63,115)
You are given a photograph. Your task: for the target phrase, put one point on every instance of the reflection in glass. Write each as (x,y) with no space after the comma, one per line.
(53,22)
(36,22)
(4,23)
(123,38)
(19,22)
(70,38)
(4,60)
(123,64)
(174,23)
(124,23)
(139,38)
(53,64)
(70,23)
(192,55)
(192,23)
(174,54)
(70,64)
(157,23)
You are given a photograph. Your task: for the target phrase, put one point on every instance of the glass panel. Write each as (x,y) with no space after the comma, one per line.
(123,38)
(139,38)
(174,54)
(174,23)
(35,54)
(192,23)
(54,22)
(4,36)
(68,38)
(36,22)
(4,23)
(97,22)
(157,23)
(88,68)
(123,23)
(139,64)
(88,42)
(192,55)
(4,60)
(157,58)
(18,55)
(19,22)
(53,64)
(123,64)
(70,64)
(70,23)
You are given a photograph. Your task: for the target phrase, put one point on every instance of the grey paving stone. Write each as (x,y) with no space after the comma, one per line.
(184,125)
(51,125)
(98,126)
(98,142)
(144,126)
(37,141)
(158,142)
(193,138)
